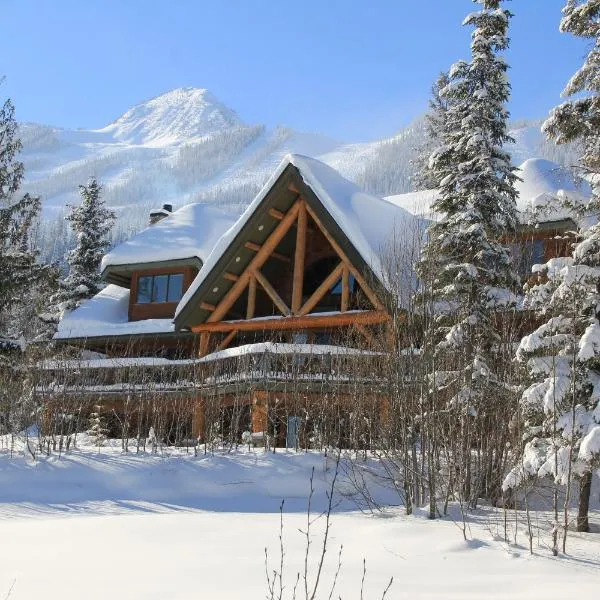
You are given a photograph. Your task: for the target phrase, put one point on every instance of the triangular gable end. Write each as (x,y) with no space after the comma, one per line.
(280,231)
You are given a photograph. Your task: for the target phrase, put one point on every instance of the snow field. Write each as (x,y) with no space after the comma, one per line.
(106,525)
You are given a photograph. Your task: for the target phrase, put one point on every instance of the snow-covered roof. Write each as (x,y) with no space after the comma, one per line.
(543,189)
(190,232)
(368,221)
(106,314)
(416,203)
(160,211)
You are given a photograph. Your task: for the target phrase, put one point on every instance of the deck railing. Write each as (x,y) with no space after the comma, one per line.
(266,366)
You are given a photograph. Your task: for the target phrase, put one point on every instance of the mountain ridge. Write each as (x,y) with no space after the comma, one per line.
(179,114)
(186,146)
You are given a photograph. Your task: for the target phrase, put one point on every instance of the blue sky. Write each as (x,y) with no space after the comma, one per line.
(353,69)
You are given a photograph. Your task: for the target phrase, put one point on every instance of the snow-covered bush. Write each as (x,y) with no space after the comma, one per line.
(97,428)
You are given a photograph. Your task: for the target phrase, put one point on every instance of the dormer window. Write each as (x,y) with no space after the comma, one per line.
(160,289)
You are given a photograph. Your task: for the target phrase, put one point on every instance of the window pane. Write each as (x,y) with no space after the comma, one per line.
(175,287)
(144,290)
(160,288)
(337,288)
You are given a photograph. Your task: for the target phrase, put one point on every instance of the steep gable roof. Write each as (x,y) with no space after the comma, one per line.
(187,235)
(363,222)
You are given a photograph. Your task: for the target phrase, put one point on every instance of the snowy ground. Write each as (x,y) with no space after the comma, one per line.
(104,525)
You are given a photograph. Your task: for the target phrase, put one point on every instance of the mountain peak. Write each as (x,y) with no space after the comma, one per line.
(175,116)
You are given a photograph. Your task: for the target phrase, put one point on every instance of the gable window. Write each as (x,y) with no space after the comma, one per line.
(337,288)
(160,288)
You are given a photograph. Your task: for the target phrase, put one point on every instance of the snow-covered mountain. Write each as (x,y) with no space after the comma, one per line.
(177,116)
(186,146)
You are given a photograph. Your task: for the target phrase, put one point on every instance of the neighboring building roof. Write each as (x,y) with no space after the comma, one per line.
(366,221)
(105,315)
(543,190)
(188,234)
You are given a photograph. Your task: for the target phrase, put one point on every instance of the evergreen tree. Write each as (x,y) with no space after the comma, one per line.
(561,408)
(424,177)
(466,271)
(19,271)
(91,222)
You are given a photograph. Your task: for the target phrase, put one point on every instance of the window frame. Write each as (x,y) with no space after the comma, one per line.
(153,288)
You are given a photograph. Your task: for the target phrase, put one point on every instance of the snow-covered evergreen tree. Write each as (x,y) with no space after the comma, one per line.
(91,222)
(561,407)
(19,270)
(466,270)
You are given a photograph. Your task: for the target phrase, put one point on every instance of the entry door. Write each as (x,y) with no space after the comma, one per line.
(293,428)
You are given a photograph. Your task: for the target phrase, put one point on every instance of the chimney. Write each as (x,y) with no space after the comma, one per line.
(158,214)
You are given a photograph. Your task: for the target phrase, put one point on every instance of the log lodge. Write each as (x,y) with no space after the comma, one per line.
(266,315)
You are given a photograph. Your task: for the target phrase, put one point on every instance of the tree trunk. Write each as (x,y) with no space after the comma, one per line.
(585,487)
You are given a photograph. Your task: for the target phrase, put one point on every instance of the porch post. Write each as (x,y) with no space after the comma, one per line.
(260,406)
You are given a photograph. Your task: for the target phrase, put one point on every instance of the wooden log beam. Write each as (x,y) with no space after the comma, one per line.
(359,278)
(345,288)
(207,306)
(227,340)
(251,298)
(316,321)
(327,284)
(261,257)
(256,248)
(276,214)
(277,300)
(230,276)
(299,256)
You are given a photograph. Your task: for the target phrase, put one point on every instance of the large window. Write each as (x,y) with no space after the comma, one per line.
(160,288)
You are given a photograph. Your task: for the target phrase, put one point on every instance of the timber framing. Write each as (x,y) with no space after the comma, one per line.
(314,321)
(289,209)
(298,316)
(280,230)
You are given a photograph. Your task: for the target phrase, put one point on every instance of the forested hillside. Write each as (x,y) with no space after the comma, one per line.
(186,146)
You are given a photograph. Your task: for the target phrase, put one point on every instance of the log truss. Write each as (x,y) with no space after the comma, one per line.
(297,316)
